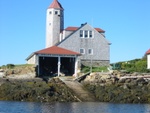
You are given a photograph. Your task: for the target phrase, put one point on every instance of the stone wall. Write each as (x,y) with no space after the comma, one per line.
(95,63)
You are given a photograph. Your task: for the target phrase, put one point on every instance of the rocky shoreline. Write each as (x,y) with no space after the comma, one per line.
(36,90)
(119,87)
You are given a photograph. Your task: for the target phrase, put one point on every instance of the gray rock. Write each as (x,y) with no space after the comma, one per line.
(2,74)
(122,80)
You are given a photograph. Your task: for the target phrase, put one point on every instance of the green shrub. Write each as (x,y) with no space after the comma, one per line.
(141,66)
(10,66)
(136,65)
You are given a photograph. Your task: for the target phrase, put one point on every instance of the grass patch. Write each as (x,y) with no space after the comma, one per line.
(12,66)
(23,65)
(100,69)
(86,69)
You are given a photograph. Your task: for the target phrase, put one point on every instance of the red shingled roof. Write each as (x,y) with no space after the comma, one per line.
(71,28)
(57,51)
(56,4)
(100,30)
(148,52)
(75,28)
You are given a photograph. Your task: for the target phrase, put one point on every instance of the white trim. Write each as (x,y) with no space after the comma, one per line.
(76,66)
(59,64)
(37,65)
(52,55)
(64,34)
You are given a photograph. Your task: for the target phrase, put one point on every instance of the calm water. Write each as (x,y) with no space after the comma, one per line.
(89,107)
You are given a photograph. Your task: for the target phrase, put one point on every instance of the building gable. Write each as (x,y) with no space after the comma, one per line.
(97,43)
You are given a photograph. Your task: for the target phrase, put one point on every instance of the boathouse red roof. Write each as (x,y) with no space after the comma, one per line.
(56,4)
(57,51)
(75,28)
(148,52)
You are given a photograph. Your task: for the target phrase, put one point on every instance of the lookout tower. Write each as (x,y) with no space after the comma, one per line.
(54,23)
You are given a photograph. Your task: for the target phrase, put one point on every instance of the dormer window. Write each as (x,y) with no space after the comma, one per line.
(85,34)
(81,33)
(90,34)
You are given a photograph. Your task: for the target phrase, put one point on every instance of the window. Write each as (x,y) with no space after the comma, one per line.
(90,34)
(81,33)
(90,51)
(85,34)
(50,12)
(56,12)
(82,51)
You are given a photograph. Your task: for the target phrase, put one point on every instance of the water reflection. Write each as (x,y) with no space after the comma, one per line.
(93,107)
(131,108)
(147,108)
(77,107)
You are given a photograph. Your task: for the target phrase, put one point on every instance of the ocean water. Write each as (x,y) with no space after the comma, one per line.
(73,107)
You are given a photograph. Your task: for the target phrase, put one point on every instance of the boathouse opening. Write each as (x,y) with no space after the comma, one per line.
(48,66)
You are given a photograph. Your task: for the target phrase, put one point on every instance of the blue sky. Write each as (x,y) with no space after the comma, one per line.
(126,22)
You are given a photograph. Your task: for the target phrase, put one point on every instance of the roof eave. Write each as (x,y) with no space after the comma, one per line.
(32,54)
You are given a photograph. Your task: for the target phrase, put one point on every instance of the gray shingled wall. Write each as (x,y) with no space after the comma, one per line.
(99,44)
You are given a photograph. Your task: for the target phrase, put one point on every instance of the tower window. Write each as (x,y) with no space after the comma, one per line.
(82,51)
(50,12)
(56,12)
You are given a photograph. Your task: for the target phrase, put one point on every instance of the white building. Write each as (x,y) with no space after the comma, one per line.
(148,59)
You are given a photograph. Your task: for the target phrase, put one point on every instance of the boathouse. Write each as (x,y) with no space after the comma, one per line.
(55,60)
